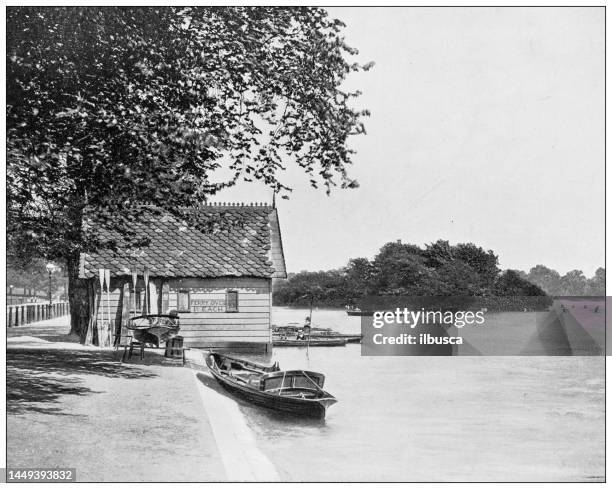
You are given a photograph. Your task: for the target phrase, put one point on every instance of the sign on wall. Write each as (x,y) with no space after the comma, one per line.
(207,305)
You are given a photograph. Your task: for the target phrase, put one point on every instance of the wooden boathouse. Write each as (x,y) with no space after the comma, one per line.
(218,281)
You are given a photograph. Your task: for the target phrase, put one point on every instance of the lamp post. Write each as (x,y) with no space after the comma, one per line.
(50,268)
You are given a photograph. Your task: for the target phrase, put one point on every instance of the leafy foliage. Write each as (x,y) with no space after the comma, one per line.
(34,277)
(510,283)
(112,108)
(440,269)
(573,283)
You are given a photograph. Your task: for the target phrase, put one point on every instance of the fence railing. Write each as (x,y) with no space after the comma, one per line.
(26,299)
(21,314)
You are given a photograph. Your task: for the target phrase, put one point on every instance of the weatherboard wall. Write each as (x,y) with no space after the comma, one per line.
(206,321)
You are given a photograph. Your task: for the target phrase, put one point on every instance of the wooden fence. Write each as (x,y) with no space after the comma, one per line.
(25,295)
(21,314)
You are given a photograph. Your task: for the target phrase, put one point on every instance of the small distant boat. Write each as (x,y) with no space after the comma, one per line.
(355,311)
(298,392)
(314,341)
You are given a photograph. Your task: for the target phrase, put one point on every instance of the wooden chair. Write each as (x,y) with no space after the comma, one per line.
(126,340)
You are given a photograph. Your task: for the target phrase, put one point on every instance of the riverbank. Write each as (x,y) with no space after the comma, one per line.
(79,407)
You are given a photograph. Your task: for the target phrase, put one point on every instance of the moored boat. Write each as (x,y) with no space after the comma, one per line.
(350,338)
(278,341)
(293,332)
(358,312)
(298,392)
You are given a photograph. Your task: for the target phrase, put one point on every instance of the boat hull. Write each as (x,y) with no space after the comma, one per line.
(360,313)
(313,342)
(349,338)
(299,406)
(311,408)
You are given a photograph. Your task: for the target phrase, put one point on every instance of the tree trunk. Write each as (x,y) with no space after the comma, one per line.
(78,298)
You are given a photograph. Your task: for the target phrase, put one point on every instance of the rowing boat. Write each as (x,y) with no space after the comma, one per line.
(154,328)
(298,392)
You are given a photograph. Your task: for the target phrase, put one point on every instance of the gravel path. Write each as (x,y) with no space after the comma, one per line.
(77,407)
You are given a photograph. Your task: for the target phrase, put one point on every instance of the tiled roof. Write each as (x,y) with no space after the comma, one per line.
(243,248)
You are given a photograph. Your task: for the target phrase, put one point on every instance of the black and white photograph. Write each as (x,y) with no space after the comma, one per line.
(304,243)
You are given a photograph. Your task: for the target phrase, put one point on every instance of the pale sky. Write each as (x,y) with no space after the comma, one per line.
(487,126)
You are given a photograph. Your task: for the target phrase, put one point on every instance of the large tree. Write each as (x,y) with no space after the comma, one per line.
(112,108)
(549,280)
(574,283)
(597,284)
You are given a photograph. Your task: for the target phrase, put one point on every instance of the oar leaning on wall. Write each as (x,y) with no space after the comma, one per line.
(102,327)
(146,281)
(111,331)
(134,281)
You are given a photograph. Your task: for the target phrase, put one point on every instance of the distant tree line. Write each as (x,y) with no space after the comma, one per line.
(573,283)
(32,277)
(437,269)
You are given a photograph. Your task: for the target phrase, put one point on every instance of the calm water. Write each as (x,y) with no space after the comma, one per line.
(440,418)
